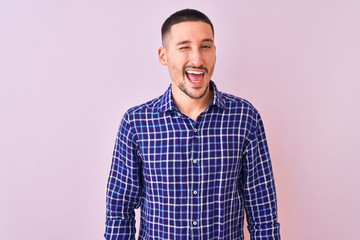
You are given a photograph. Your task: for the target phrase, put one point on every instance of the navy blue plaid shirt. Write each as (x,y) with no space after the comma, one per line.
(192,179)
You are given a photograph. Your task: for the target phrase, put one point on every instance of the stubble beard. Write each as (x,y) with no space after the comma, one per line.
(185,90)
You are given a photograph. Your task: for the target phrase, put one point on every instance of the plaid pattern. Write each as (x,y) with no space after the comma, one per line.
(192,179)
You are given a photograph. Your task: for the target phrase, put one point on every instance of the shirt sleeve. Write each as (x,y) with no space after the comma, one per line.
(124,186)
(259,187)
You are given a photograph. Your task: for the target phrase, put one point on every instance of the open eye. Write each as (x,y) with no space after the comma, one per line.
(206,46)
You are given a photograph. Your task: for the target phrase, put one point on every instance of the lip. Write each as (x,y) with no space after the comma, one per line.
(195,84)
(194,70)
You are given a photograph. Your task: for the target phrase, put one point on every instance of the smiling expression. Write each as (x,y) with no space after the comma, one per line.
(189,52)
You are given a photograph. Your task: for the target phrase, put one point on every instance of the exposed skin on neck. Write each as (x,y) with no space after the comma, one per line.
(190,55)
(192,107)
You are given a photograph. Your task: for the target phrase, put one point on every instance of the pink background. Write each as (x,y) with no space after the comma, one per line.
(70,69)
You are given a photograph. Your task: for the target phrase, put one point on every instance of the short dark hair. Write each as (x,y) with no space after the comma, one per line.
(185,15)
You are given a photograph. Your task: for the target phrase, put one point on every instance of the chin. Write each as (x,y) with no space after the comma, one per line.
(199,93)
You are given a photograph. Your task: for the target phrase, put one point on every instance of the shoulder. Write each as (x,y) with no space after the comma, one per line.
(243,112)
(239,105)
(140,111)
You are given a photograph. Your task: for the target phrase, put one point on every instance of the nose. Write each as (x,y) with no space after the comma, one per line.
(196,58)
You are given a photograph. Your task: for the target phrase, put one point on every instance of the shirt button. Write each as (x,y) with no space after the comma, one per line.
(194,161)
(194,223)
(195,192)
(179,114)
(195,130)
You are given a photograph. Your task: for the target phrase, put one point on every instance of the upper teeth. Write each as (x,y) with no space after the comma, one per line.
(194,72)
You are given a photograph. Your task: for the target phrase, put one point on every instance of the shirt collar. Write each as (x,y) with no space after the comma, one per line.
(167,102)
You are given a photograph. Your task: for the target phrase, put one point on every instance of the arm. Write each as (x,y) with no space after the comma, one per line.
(123,189)
(259,187)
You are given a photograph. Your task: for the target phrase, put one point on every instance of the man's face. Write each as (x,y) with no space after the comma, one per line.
(189,52)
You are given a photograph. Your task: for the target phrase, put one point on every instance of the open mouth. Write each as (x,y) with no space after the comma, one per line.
(195,77)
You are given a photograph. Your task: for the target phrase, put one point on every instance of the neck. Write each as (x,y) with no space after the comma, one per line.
(192,107)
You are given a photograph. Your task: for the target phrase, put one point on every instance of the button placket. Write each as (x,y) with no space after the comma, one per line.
(196,172)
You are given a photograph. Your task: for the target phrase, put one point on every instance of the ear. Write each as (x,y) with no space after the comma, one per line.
(162,56)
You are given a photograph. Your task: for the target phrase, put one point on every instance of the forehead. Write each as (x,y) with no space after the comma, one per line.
(191,31)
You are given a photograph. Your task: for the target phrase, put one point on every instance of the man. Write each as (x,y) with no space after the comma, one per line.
(194,158)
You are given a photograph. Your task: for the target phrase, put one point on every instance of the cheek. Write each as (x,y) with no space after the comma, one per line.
(175,71)
(176,66)
(212,71)
(212,58)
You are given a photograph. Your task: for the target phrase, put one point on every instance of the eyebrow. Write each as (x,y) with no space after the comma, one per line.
(187,41)
(182,43)
(208,40)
